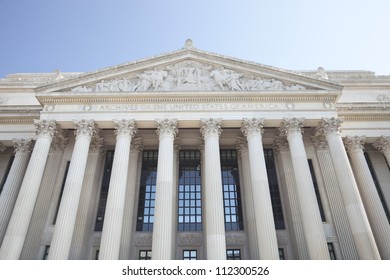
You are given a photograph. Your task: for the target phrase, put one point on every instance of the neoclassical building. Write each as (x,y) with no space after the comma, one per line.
(195,155)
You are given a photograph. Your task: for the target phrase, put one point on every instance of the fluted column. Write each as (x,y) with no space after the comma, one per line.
(85,218)
(163,220)
(242,147)
(294,218)
(308,206)
(265,225)
(113,217)
(340,218)
(373,205)
(360,227)
(383,145)
(14,180)
(66,219)
(215,225)
(127,228)
(20,219)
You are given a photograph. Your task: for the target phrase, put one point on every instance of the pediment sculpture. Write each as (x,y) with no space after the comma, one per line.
(187,76)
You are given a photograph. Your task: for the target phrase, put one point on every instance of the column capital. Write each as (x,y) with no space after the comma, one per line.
(251,126)
(45,128)
(85,128)
(125,128)
(242,145)
(280,144)
(211,127)
(290,126)
(330,126)
(354,143)
(97,144)
(167,127)
(382,144)
(319,142)
(137,145)
(23,146)
(59,140)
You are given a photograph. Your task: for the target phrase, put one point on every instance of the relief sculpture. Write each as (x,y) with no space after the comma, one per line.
(188,76)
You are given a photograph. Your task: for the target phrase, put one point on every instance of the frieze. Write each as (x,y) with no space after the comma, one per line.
(184,107)
(188,76)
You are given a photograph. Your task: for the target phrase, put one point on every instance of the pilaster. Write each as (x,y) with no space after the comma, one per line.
(383,145)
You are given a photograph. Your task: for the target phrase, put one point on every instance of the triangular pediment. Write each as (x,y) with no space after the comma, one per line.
(189,69)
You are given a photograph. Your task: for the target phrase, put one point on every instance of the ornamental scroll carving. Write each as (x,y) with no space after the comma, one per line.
(188,76)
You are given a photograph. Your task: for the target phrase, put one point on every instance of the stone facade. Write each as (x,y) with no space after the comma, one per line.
(328,132)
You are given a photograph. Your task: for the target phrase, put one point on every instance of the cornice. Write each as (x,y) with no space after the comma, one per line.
(243,96)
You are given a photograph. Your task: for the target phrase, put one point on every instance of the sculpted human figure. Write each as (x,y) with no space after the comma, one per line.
(102,86)
(219,77)
(144,82)
(233,80)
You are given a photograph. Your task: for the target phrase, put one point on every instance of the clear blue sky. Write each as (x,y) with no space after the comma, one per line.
(86,35)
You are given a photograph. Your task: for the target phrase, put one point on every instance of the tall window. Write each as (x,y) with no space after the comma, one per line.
(61,192)
(231,190)
(104,190)
(11,160)
(233,254)
(281,254)
(274,189)
(313,176)
(147,193)
(190,196)
(378,187)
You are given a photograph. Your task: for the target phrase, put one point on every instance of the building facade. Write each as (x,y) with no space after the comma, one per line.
(195,155)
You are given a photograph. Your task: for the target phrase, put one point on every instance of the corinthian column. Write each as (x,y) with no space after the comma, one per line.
(264,219)
(127,228)
(20,219)
(308,206)
(360,227)
(66,219)
(383,145)
(215,225)
(163,219)
(373,205)
(113,217)
(14,180)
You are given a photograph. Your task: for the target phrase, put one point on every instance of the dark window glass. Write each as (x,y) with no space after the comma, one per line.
(97,254)
(9,165)
(189,192)
(145,255)
(231,190)
(233,254)
(274,189)
(104,190)
(190,255)
(332,254)
(147,193)
(281,254)
(46,253)
(317,192)
(378,187)
(61,192)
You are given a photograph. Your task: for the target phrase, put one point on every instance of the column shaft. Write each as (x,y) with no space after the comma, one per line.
(20,219)
(113,217)
(311,219)
(360,227)
(66,219)
(373,205)
(163,220)
(215,234)
(265,225)
(127,228)
(12,184)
